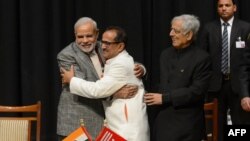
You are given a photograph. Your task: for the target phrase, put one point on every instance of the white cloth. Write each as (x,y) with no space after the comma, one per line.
(96,62)
(127,117)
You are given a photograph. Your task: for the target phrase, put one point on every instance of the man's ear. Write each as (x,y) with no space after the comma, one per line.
(121,47)
(234,8)
(189,35)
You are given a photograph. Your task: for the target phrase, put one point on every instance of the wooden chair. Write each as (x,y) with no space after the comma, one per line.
(211,116)
(18,128)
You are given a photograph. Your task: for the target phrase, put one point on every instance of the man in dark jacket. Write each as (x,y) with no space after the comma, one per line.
(185,73)
(225,84)
(245,81)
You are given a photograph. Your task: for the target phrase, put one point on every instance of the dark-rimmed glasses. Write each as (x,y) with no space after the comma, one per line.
(107,43)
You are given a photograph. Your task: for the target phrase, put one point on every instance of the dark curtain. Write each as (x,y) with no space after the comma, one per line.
(32,32)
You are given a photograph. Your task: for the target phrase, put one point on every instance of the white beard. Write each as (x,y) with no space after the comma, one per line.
(86,49)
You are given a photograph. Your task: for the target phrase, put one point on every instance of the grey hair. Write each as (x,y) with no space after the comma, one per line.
(83,21)
(190,23)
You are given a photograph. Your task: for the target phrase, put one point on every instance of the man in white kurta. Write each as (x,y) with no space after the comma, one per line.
(127,117)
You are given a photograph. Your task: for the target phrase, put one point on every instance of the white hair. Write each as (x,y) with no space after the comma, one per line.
(83,21)
(190,23)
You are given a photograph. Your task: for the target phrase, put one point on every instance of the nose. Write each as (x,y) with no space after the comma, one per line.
(171,33)
(84,39)
(103,46)
(223,7)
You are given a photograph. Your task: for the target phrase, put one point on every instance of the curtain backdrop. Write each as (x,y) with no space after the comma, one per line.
(32,32)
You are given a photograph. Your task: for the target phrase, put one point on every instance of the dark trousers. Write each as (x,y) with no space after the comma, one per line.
(228,100)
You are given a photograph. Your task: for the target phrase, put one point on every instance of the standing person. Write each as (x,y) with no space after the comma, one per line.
(184,78)
(222,39)
(126,117)
(245,84)
(72,108)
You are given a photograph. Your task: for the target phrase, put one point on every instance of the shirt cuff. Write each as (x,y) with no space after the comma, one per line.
(166,99)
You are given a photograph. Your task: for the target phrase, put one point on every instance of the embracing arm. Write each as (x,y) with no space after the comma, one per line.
(139,70)
(113,80)
(187,94)
(100,89)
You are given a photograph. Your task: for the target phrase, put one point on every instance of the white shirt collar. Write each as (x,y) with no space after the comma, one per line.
(230,22)
(111,59)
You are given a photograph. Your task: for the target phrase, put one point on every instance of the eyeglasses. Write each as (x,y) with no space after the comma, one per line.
(108,43)
(176,31)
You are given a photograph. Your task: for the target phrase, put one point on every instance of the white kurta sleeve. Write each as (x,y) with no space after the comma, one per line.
(99,89)
(114,79)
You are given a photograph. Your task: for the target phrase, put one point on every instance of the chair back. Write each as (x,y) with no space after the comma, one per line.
(211,116)
(18,127)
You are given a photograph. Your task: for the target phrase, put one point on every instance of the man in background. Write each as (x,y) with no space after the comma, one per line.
(224,39)
(245,80)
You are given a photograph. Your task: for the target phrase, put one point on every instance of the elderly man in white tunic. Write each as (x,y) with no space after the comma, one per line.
(127,117)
